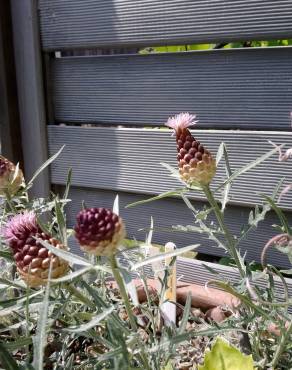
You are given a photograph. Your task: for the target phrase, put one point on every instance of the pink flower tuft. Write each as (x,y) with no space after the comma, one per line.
(20,225)
(182,120)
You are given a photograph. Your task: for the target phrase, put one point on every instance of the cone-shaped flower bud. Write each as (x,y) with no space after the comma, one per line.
(99,231)
(196,164)
(32,259)
(11,177)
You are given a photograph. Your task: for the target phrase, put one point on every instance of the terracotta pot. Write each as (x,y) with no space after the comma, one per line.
(202,297)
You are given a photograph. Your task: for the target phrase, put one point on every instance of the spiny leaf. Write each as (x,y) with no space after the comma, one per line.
(248,167)
(223,356)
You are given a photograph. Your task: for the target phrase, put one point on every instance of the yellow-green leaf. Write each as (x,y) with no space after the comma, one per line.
(223,356)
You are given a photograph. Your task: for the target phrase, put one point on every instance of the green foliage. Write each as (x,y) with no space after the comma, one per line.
(232,45)
(223,356)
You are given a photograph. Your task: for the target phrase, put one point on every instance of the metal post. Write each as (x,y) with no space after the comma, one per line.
(9,115)
(30,86)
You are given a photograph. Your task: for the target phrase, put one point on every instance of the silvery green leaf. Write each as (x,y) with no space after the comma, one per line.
(67,256)
(44,165)
(92,323)
(116,205)
(248,167)
(163,256)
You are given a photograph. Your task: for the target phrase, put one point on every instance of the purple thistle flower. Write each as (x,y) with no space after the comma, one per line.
(99,231)
(196,164)
(32,259)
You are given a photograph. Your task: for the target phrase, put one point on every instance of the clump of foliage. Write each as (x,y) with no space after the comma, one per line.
(64,311)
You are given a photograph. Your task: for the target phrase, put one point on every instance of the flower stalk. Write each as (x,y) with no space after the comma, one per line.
(231,245)
(282,345)
(121,285)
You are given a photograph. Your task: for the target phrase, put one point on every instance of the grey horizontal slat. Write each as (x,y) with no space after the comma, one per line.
(168,212)
(243,88)
(129,159)
(91,23)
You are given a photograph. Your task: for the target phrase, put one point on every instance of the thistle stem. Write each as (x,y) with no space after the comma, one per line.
(281,347)
(231,247)
(123,291)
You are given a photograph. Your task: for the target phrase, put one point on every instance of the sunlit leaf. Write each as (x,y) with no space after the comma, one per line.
(223,356)
(116,205)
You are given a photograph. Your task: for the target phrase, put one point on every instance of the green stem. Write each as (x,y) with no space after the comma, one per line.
(228,236)
(9,202)
(282,344)
(123,291)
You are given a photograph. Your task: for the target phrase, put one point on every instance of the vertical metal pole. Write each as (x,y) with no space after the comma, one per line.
(9,115)
(27,50)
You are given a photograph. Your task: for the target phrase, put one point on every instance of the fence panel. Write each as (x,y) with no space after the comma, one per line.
(91,23)
(227,89)
(129,160)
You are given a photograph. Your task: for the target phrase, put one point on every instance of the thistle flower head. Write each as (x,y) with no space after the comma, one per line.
(196,164)
(99,231)
(181,121)
(19,226)
(11,177)
(32,259)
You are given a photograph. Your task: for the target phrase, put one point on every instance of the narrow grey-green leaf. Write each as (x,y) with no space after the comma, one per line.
(19,343)
(219,153)
(279,213)
(7,255)
(186,314)
(163,256)
(44,165)
(248,167)
(116,205)
(67,256)
(150,233)
(92,323)
(7,361)
(73,275)
(40,338)
(61,222)
(229,174)
(70,362)
(171,193)
(174,172)
(68,184)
